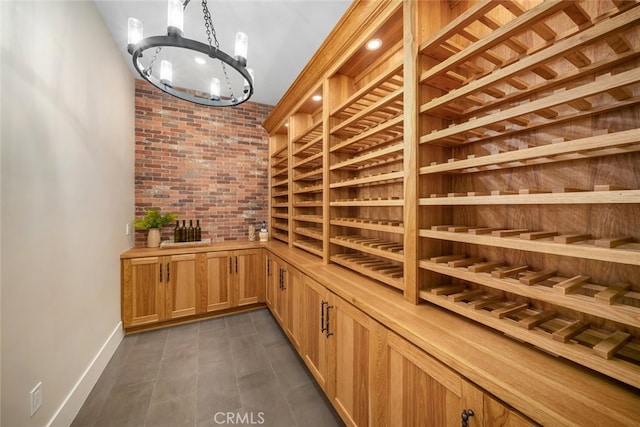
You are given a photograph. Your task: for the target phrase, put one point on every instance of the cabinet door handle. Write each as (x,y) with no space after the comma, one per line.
(160,273)
(236,264)
(168,272)
(466,413)
(230,266)
(268,267)
(284,279)
(322,325)
(328,334)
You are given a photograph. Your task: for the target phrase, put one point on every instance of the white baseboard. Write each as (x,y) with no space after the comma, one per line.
(71,405)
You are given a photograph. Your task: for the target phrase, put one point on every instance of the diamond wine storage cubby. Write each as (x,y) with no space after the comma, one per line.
(528,193)
(279,176)
(366,155)
(307,156)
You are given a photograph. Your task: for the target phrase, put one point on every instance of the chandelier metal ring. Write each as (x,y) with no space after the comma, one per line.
(184,43)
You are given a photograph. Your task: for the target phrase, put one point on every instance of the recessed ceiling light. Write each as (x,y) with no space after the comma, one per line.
(374,44)
(286,125)
(200,60)
(316,97)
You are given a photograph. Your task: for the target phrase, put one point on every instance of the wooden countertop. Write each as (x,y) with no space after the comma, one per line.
(548,389)
(231,245)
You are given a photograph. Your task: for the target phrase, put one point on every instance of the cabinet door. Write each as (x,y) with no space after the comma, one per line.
(218,286)
(315,339)
(498,415)
(143,293)
(272,281)
(352,349)
(279,306)
(248,276)
(293,300)
(422,391)
(183,289)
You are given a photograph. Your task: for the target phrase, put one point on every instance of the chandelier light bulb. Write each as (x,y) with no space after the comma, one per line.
(166,72)
(242,46)
(175,18)
(215,88)
(134,33)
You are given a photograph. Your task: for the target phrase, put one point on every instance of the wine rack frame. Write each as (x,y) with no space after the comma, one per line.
(448,167)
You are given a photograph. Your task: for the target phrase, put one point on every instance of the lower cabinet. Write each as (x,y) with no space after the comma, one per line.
(422,391)
(284,295)
(372,376)
(162,288)
(234,278)
(159,288)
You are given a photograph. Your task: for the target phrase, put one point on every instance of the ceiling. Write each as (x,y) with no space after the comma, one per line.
(283,34)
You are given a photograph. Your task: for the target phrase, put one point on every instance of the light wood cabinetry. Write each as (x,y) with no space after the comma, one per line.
(279,179)
(159,288)
(234,278)
(423,392)
(483,160)
(143,292)
(182,285)
(314,349)
(285,296)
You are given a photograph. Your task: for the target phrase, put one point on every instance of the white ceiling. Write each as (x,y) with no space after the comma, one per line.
(283,34)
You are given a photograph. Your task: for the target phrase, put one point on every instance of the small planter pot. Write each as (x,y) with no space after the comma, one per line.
(153,238)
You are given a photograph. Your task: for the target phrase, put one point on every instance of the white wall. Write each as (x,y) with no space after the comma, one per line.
(67,135)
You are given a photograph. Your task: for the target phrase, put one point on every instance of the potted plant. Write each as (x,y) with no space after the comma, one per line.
(154,221)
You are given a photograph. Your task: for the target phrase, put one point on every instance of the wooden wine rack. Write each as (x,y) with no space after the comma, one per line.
(520,120)
(307,147)
(279,178)
(488,166)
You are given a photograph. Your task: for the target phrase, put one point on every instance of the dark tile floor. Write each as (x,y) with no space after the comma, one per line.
(234,370)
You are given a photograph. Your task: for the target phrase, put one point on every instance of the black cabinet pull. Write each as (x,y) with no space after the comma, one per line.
(160,273)
(466,414)
(168,272)
(230,266)
(236,265)
(268,267)
(327,333)
(322,325)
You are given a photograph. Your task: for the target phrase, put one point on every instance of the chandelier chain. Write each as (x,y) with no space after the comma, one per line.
(211,31)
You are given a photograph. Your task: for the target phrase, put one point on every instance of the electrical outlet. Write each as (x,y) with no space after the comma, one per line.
(127,229)
(36,398)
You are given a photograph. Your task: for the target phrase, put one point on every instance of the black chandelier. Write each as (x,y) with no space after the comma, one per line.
(212,63)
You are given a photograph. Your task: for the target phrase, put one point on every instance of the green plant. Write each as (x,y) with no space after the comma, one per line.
(153,219)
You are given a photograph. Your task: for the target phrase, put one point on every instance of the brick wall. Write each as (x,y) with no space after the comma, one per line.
(201,163)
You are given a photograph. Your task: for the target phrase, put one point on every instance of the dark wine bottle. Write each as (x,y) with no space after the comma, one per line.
(183,231)
(176,232)
(198,231)
(190,232)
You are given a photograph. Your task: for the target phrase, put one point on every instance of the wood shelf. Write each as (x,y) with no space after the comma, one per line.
(311,134)
(314,174)
(368,202)
(310,162)
(485,127)
(628,253)
(382,178)
(308,218)
(576,293)
(314,233)
(389,154)
(546,330)
(390,130)
(369,245)
(594,146)
(367,224)
(317,188)
(280,236)
(379,87)
(547,197)
(308,204)
(375,268)
(311,246)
